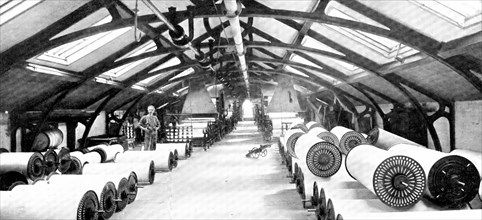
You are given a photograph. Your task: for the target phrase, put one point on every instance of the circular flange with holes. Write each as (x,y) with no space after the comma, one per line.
(122,194)
(330,137)
(88,206)
(291,142)
(350,140)
(399,181)
(323,159)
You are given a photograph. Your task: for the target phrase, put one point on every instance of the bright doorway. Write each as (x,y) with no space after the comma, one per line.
(248,111)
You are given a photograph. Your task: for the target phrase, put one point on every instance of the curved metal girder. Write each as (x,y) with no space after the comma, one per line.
(428,122)
(112,93)
(136,100)
(249,59)
(410,37)
(254,9)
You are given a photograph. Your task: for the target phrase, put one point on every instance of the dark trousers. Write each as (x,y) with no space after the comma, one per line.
(150,140)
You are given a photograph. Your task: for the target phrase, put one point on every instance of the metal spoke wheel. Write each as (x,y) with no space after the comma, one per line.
(264,152)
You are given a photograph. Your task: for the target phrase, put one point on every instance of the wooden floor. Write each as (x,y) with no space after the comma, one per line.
(221,183)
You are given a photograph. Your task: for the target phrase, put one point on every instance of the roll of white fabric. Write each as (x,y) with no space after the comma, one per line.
(357,206)
(450,178)
(182,149)
(104,188)
(30,164)
(426,215)
(144,171)
(348,139)
(325,135)
(111,169)
(313,124)
(163,158)
(38,204)
(398,180)
(321,158)
(385,140)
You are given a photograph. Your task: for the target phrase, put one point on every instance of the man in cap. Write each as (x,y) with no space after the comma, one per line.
(150,124)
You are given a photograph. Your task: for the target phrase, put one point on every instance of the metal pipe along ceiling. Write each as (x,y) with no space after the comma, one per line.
(171,26)
(232,13)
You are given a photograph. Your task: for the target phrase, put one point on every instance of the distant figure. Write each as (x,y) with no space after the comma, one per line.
(150,124)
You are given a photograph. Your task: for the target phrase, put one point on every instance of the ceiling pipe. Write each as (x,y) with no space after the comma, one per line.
(232,9)
(178,36)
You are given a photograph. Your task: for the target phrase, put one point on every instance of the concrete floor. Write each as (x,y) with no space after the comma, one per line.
(221,183)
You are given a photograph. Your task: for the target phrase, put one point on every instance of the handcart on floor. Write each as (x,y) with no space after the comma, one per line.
(257,151)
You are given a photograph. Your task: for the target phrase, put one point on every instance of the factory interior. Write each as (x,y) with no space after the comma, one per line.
(241,109)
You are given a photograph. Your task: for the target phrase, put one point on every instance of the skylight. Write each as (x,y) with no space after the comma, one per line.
(292,70)
(172,62)
(463,13)
(301,89)
(296,58)
(73,51)
(383,46)
(182,89)
(310,42)
(167,87)
(46,70)
(116,72)
(148,80)
(327,78)
(139,87)
(9,9)
(183,73)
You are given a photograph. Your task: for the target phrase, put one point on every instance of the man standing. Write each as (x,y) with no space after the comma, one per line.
(150,124)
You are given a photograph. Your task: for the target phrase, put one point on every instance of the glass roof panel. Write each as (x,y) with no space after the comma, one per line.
(310,42)
(338,10)
(116,72)
(296,58)
(172,62)
(186,72)
(301,89)
(460,12)
(150,80)
(382,45)
(73,51)
(9,9)
(326,77)
(292,70)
